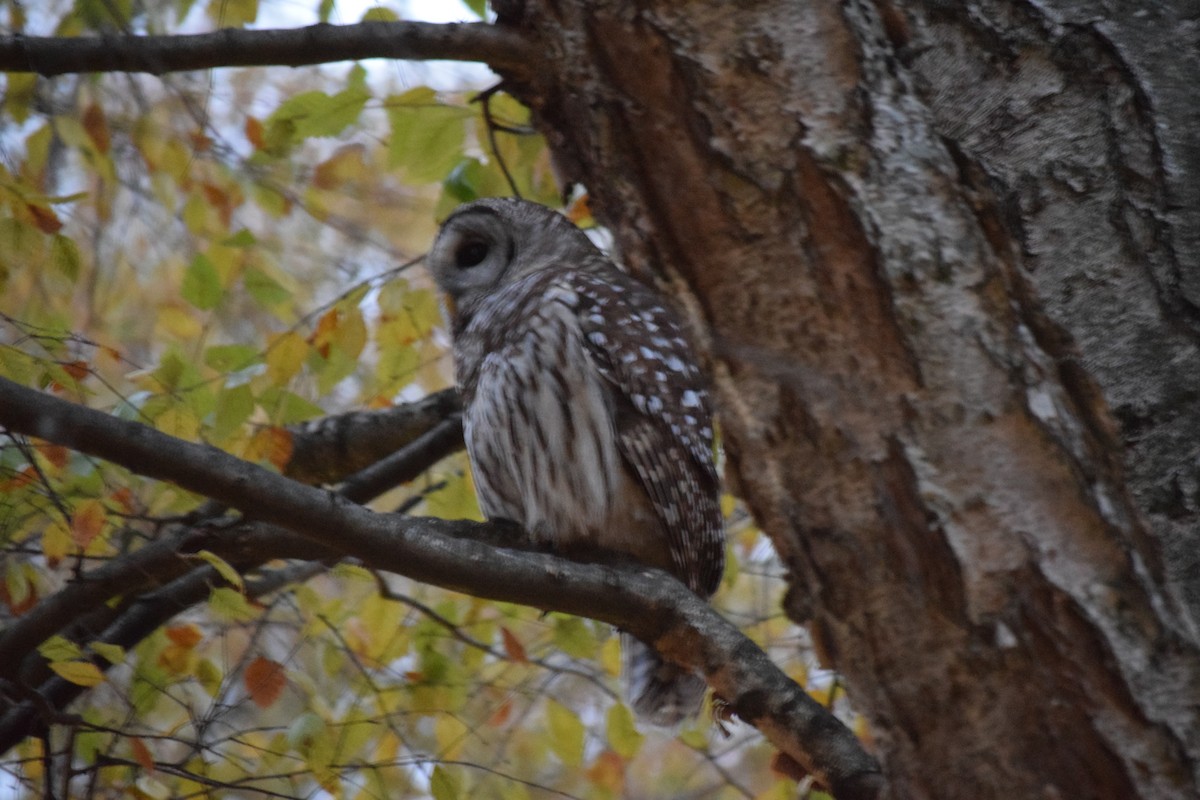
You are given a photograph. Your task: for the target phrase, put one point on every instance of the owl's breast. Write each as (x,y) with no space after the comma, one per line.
(540,434)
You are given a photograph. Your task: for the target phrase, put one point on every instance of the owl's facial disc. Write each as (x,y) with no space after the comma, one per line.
(471,254)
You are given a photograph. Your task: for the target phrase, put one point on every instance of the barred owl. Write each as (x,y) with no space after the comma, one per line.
(586,419)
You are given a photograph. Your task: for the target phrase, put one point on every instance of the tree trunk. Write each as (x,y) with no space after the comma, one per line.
(928,245)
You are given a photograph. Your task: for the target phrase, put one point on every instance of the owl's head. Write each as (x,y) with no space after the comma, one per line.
(490,243)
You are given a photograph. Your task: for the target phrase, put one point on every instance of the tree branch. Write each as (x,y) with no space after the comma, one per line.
(413,436)
(328,449)
(500,48)
(645,602)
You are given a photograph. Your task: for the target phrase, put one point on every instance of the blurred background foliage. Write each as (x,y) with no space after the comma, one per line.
(224,254)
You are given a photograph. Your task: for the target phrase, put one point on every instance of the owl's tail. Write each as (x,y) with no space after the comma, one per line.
(660,693)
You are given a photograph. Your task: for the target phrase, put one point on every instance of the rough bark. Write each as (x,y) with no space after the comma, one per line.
(1084,116)
(923,442)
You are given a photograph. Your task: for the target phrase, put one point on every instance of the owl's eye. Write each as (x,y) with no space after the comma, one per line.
(470,254)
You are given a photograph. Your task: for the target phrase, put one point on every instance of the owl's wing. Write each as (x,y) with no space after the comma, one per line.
(663,415)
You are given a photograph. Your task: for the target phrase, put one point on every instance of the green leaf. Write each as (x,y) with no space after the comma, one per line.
(313,113)
(566,733)
(286,408)
(19,94)
(427,137)
(232,13)
(231,357)
(380,14)
(263,288)
(243,238)
(443,785)
(456,500)
(573,636)
(324,9)
(112,653)
(22,247)
(65,255)
(305,730)
(234,406)
(478,6)
(201,284)
(56,648)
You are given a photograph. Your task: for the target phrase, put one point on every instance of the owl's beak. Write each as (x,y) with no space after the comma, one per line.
(450,306)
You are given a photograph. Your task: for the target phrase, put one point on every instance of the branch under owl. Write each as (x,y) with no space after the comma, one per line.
(494,45)
(468,557)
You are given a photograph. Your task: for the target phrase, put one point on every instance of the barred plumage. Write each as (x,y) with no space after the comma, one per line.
(586,418)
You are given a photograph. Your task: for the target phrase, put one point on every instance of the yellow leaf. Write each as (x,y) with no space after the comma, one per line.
(209,676)
(178,321)
(285,356)
(610,655)
(179,421)
(566,733)
(223,568)
(230,605)
(80,673)
(622,733)
(451,733)
(176,659)
(346,165)
(351,334)
(56,541)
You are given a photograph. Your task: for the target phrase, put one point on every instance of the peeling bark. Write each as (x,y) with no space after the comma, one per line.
(932,455)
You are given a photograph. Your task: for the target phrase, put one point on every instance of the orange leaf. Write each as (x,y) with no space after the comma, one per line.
(26,476)
(513,646)
(23,604)
(501,714)
(76,369)
(96,127)
(186,636)
(125,499)
(201,142)
(608,772)
(141,754)
(44,218)
(322,336)
(56,454)
(254,132)
(271,444)
(87,522)
(264,681)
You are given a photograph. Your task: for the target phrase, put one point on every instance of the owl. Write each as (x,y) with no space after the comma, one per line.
(586,419)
